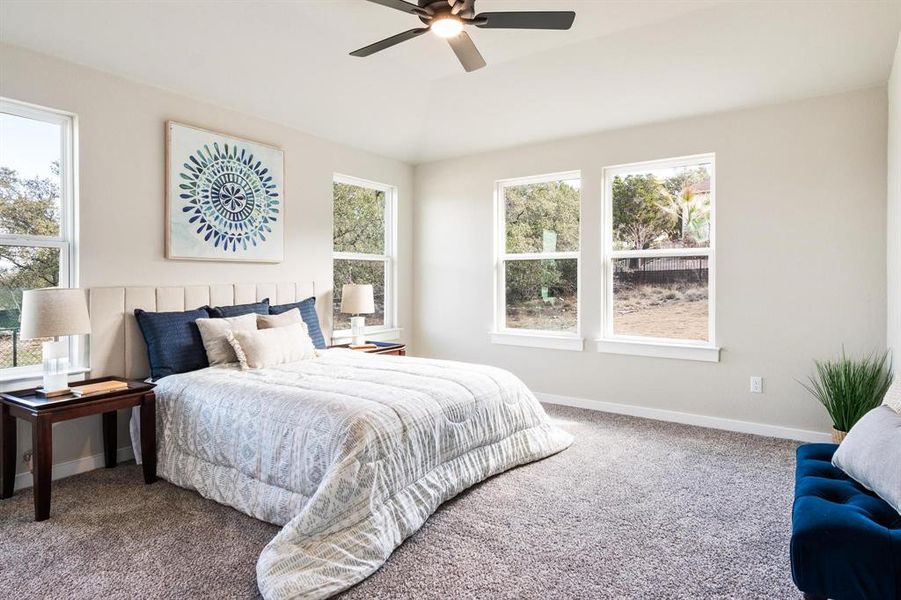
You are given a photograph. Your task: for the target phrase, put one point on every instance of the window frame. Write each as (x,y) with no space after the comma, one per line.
(644,345)
(390,330)
(514,336)
(67,240)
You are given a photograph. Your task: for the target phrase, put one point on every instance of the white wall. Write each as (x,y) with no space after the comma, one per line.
(121,128)
(800,266)
(894,211)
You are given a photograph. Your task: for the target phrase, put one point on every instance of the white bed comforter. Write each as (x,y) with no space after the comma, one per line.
(350,452)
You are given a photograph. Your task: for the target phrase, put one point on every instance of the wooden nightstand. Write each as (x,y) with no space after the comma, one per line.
(43,412)
(391,348)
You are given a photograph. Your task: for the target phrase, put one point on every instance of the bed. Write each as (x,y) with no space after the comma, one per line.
(349,452)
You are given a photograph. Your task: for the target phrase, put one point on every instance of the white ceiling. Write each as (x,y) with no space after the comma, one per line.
(623,63)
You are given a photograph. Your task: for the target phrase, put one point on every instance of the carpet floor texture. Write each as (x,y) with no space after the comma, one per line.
(634,509)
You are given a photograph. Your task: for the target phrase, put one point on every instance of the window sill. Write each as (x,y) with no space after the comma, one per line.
(36,375)
(703,353)
(538,340)
(378,335)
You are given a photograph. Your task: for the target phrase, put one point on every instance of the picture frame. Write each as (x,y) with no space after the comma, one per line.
(225,197)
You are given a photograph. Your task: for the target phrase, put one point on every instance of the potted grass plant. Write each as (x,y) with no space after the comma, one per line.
(849,388)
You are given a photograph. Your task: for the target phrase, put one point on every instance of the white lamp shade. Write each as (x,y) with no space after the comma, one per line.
(357,299)
(54,312)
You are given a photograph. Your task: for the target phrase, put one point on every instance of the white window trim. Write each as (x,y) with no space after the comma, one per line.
(390,330)
(67,241)
(609,342)
(535,338)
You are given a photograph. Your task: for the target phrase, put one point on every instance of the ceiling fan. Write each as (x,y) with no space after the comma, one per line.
(446,19)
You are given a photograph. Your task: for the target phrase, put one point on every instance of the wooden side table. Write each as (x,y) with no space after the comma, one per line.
(43,412)
(381,348)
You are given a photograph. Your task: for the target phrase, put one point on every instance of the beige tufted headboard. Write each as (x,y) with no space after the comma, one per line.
(117,346)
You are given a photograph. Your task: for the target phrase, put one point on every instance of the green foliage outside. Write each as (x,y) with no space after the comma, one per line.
(359,226)
(542,217)
(27,207)
(359,219)
(654,212)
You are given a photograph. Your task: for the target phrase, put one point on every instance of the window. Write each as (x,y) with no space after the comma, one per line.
(659,252)
(36,219)
(537,265)
(364,249)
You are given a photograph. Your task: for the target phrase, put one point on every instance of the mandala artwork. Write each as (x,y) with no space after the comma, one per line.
(225,197)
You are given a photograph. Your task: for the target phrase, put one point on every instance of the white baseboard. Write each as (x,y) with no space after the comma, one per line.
(74,467)
(659,414)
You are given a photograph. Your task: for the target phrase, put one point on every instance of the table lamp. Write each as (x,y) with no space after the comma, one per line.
(357,299)
(54,313)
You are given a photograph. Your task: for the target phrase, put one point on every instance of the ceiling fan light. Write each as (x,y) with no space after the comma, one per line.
(447,27)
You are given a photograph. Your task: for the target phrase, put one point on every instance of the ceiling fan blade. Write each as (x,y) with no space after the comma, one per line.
(526,20)
(400,5)
(388,42)
(466,51)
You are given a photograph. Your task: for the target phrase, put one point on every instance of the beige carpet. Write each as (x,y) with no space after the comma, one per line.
(634,509)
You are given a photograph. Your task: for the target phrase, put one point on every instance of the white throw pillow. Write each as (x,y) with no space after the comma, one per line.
(871,454)
(290,317)
(213,332)
(269,347)
(893,396)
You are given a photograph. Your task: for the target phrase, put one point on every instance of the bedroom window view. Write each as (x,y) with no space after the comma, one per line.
(363,247)
(659,249)
(539,261)
(34,249)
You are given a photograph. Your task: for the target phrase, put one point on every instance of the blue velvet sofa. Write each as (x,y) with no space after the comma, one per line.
(846,541)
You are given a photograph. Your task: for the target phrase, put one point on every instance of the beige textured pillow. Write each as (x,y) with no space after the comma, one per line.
(269,347)
(291,317)
(893,396)
(213,332)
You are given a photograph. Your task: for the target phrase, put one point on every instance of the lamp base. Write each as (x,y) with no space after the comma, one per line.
(358,330)
(56,363)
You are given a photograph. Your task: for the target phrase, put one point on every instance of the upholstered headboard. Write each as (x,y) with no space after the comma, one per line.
(117,346)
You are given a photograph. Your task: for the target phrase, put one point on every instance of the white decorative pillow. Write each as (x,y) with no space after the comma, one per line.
(871,454)
(213,332)
(290,317)
(269,347)
(893,396)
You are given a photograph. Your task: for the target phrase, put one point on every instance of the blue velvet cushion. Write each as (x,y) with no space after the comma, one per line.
(260,308)
(846,541)
(308,314)
(173,341)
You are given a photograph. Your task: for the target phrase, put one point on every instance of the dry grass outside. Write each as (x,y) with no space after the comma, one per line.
(561,315)
(27,352)
(665,311)
(677,311)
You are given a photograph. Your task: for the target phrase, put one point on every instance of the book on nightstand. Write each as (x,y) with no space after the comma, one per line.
(99,388)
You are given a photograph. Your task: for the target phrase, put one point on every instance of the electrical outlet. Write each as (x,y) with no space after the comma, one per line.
(756,385)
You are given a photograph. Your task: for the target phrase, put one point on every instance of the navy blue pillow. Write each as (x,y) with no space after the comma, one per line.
(260,308)
(173,341)
(308,314)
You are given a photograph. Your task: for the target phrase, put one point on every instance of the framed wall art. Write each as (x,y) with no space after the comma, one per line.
(224,197)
